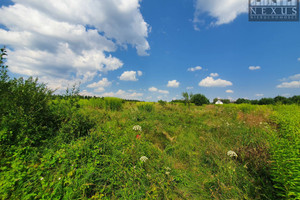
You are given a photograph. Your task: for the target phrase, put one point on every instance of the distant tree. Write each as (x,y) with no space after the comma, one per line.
(162,103)
(295,99)
(266,101)
(281,100)
(215,100)
(225,101)
(241,100)
(187,98)
(199,99)
(254,102)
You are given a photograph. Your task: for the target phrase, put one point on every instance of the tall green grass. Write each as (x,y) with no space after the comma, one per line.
(286,151)
(113,104)
(145,106)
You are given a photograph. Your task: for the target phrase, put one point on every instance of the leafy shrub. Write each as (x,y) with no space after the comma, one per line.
(162,103)
(25,114)
(199,99)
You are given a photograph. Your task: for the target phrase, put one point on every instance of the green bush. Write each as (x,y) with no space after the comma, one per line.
(162,103)
(25,114)
(199,99)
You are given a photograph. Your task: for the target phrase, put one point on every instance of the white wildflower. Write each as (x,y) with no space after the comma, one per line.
(232,154)
(143,159)
(167,173)
(59,178)
(137,128)
(42,178)
(168,168)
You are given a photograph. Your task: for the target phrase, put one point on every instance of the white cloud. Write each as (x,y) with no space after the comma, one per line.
(298,59)
(229,91)
(173,84)
(153,89)
(223,11)
(293,84)
(194,69)
(86,93)
(254,68)
(61,39)
(139,73)
(259,95)
(163,91)
(214,74)
(100,85)
(124,95)
(189,88)
(100,89)
(211,82)
(129,76)
(295,77)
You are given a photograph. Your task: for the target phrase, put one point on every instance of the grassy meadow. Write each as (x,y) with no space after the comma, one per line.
(71,147)
(104,148)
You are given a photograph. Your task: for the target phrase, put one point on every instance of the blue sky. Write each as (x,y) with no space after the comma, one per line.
(150,49)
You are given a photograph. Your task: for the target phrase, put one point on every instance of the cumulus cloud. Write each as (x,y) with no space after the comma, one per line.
(194,69)
(61,40)
(173,84)
(298,59)
(293,84)
(130,75)
(163,91)
(259,95)
(290,82)
(295,77)
(153,89)
(189,88)
(254,68)
(87,93)
(229,91)
(214,74)
(211,82)
(223,11)
(100,85)
(139,73)
(123,94)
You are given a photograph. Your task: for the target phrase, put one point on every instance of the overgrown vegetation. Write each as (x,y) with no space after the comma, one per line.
(69,147)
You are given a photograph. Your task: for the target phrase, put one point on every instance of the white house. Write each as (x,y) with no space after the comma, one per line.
(219,102)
